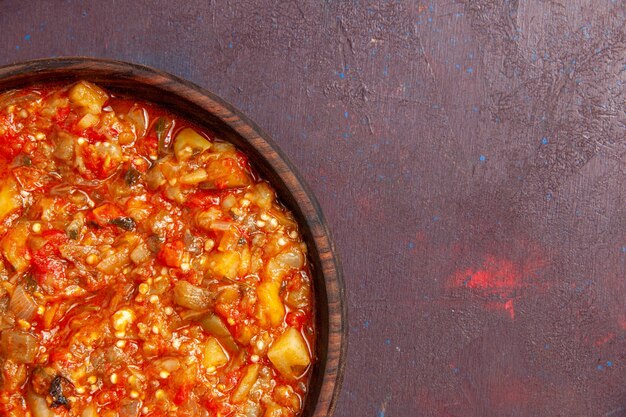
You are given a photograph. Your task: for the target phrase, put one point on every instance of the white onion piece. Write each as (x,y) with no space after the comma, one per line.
(22,304)
(38,406)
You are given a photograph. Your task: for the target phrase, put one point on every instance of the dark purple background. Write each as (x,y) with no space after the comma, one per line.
(470,158)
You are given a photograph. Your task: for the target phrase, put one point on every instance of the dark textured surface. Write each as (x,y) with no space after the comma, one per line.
(471,161)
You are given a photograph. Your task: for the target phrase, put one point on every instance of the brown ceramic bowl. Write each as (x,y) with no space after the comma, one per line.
(206,109)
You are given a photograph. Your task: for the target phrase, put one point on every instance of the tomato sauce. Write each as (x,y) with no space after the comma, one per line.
(145,269)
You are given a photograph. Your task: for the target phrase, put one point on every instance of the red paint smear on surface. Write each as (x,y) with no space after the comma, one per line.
(604,339)
(498,280)
(494,277)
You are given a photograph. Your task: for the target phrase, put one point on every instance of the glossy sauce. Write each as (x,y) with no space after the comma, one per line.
(146,270)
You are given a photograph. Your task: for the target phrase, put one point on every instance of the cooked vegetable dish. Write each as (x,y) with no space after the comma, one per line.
(146,269)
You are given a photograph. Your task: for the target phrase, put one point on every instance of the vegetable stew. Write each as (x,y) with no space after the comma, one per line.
(146,269)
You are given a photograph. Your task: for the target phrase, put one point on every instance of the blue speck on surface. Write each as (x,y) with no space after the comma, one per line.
(17,47)
(345,114)
(230,45)
(470,55)
(411,245)
(431,8)
(430,19)
(345,135)
(342,75)
(381,413)
(482,158)
(544,140)
(387,342)
(475,109)
(436,218)
(457,66)
(469,70)
(600,367)
(549,196)
(546,346)
(623,249)
(385,71)
(366,324)
(27,37)
(609,363)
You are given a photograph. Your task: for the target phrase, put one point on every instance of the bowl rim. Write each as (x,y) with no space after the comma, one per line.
(36,72)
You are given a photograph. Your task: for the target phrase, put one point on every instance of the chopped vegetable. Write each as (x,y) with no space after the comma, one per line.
(189,143)
(126,223)
(10,199)
(189,296)
(224,264)
(270,308)
(89,96)
(145,268)
(132,176)
(250,375)
(290,354)
(22,304)
(213,325)
(38,406)
(56,392)
(18,346)
(213,355)
(161,127)
(14,247)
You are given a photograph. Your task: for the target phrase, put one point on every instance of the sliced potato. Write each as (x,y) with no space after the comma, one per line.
(213,356)
(226,173)
(88,121)
(10,198)
(14,249)
(250,375)
(290,354)
(270,308)
(224,264)
(194,177)
(282,264)
(89,96)
(189,143)
(262,195)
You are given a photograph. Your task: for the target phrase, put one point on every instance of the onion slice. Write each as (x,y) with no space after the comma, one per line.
(22,304)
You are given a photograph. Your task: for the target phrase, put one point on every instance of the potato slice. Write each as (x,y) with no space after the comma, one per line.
(226,173)
(89,96)
(189,143)
(250,375)
(213,356)
(224,264)
(88,121)
(290,354)
(9,198)
(14,248)
(270,308)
